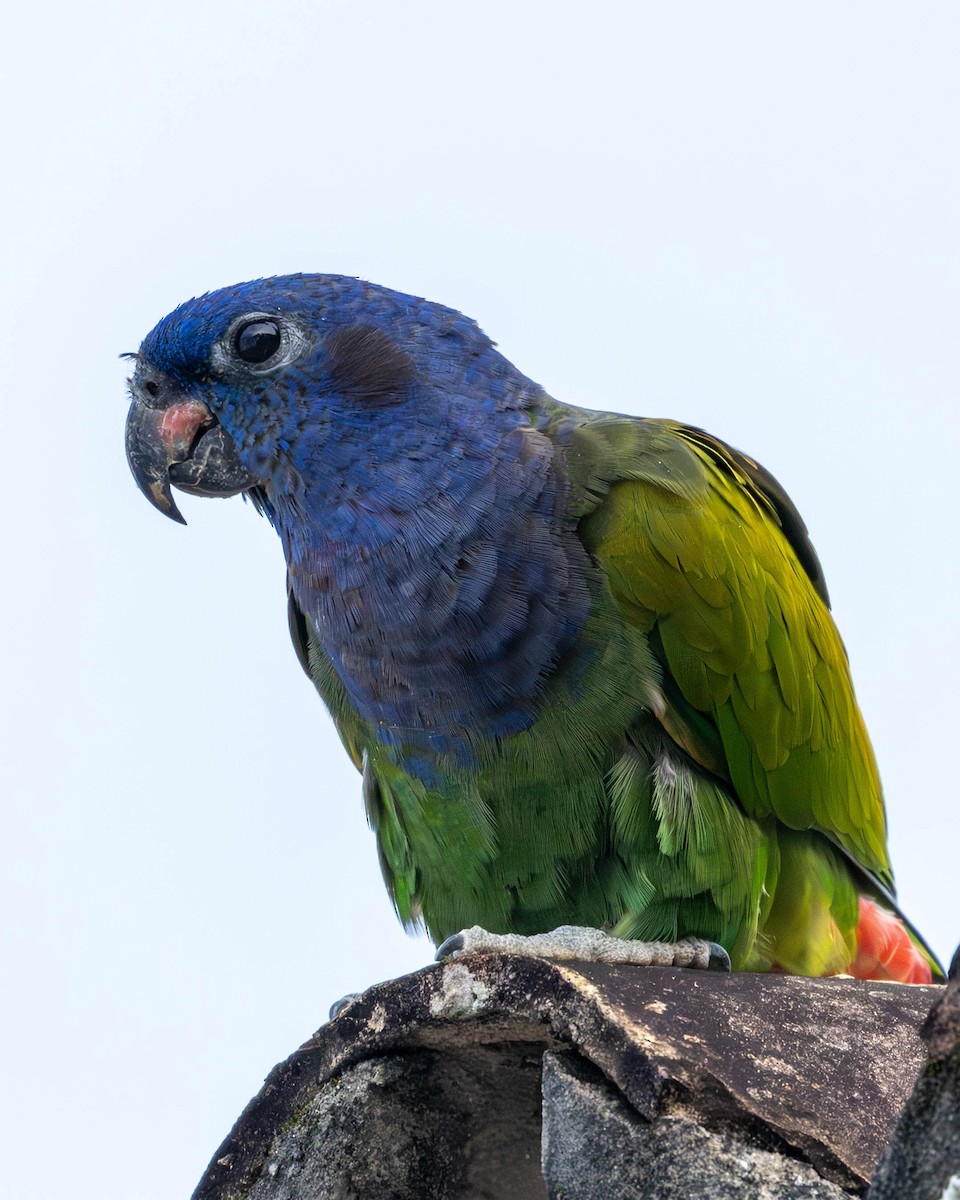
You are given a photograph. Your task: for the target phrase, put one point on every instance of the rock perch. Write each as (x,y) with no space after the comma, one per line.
(493,1076)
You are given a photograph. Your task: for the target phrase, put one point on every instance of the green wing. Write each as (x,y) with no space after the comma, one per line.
(706,555)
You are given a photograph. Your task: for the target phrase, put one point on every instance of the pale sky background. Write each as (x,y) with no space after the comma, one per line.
(743,215)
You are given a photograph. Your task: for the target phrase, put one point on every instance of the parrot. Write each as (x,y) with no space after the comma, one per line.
(584,662)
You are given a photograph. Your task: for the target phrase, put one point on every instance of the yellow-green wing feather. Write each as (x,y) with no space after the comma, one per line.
(705,554)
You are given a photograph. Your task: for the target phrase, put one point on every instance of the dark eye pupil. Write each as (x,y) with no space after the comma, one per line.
(257,341)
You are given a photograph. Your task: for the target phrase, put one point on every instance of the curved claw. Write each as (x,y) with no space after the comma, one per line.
(449,946)
(719,959)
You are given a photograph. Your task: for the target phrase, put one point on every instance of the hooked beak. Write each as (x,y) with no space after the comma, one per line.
(172,438)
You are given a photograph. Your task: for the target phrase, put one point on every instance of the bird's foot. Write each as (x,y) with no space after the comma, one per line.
(581,944)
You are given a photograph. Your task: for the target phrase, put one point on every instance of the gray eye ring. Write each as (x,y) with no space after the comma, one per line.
(226,356)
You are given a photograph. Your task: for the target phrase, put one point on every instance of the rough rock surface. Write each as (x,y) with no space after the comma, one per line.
(648,1084)
(587,1127)
(923,1160)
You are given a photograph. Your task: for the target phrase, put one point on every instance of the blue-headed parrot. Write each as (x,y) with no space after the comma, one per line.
(585,662)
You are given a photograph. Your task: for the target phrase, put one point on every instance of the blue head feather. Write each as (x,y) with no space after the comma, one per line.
(421,510)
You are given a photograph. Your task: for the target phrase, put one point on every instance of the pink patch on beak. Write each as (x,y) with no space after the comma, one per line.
(179,425)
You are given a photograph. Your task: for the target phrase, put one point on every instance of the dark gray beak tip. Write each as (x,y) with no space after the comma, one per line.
(174,513)
(148,461)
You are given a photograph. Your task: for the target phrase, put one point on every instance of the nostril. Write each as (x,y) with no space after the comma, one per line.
(151,388)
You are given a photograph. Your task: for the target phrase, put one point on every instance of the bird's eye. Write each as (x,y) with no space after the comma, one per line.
(257,341)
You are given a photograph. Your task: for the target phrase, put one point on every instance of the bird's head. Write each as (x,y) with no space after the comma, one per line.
(257,387)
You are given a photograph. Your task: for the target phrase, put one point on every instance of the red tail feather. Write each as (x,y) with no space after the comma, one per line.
(885,949)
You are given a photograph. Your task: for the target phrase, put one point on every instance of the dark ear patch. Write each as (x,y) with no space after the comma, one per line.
(367,363)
